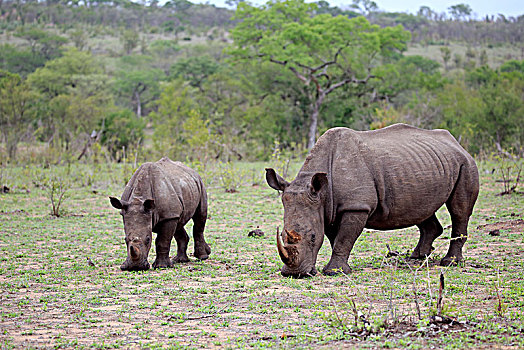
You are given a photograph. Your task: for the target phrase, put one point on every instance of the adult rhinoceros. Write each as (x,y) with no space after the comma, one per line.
(162,197)
(385,179)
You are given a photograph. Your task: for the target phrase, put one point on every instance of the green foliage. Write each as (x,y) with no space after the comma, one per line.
(61,75)
(19,60)
(164,48)
(195,70)
(501,95)
(460,11)
(460,107)
(75,97)
(16,110)
(55,187)
(512,66)
(136,85)
(446,55)
(323,52)
(411,73)
(229,177)
(79,38)
(122,129)
(129,39)
(174,105)
(197,136)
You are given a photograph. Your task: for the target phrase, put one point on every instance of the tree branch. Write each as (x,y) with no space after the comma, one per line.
(347,81)
(300,76)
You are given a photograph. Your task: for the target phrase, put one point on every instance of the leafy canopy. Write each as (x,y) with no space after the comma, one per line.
(289,33)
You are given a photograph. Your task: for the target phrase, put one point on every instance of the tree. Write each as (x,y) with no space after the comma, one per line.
(174,105)
(323,52)
(138,86)
(121,129)
(19,60)
(42,42)
(75,97)
(502,97)
(364,6)
(129,39)
(446,55)
(460,11)
(426,12)
(16,110)
(195,70)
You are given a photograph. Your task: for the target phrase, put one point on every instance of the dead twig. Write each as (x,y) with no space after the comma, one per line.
(440,290)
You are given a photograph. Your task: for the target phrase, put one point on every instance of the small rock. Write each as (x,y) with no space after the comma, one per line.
(256,233)
(494,233)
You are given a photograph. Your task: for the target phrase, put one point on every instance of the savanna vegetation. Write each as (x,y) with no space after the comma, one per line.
(89,90)
(199,82)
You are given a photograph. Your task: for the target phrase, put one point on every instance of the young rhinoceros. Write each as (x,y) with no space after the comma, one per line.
(161,197)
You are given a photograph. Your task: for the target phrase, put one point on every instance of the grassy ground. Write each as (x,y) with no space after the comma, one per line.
(51,297)
(496,55)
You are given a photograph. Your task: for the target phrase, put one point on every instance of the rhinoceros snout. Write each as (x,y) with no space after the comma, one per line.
(287,272)
(127,266)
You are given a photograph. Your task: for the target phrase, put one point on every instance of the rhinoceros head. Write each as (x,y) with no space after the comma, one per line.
(303,232)
(137,217)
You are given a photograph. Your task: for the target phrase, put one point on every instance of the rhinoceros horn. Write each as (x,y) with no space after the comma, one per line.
(282,251)
(134,252)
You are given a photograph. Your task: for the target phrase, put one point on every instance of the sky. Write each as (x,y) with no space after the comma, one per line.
(481,8)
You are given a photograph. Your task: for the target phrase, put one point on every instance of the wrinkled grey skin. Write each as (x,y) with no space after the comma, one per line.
(162,197)
(385,179)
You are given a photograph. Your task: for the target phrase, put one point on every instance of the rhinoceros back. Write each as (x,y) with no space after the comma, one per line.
(404,174)
(186,184)
(177,189)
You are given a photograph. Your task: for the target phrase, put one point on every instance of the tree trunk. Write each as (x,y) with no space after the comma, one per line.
(11,149)
(312,135)
(138,105)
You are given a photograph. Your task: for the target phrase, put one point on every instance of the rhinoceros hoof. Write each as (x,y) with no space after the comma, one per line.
(202,253)
(417,256)
(162,264)
(330,270)
(180,259)
(450,261)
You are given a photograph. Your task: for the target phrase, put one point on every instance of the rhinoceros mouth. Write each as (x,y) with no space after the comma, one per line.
(142,266)
(298,273)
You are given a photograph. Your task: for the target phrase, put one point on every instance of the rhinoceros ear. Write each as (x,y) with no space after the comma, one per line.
(318,181)
(115,202)
(149,204)
(275,181)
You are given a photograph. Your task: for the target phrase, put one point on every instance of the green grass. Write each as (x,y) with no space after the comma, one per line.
(51,297)
(496,55)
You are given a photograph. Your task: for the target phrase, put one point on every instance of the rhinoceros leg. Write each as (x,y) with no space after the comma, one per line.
(202,249)
(459,235)
(349,229)
(430,229)
(163,243)
(181,242)
(331,234)
(460,207)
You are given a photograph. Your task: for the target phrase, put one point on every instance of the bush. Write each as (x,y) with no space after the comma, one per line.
(122,129)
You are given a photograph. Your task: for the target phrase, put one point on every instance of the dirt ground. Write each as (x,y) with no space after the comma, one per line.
(52,298)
